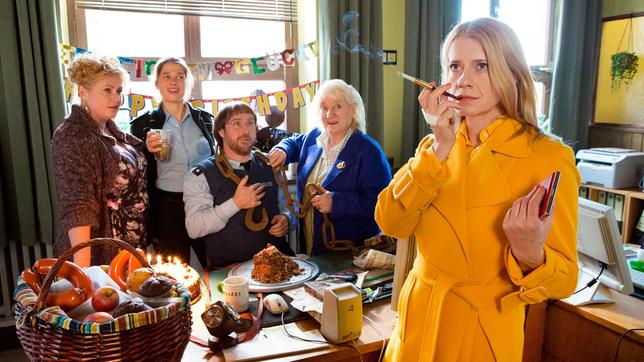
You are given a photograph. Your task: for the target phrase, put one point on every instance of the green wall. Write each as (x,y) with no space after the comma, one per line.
(621,7)
(393,38)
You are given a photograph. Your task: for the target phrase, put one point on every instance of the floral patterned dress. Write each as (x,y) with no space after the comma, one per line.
(128,200)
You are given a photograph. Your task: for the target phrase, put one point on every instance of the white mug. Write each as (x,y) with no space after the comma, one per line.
(235,291)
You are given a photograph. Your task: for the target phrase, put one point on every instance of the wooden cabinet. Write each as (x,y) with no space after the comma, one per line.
(633,204)
(632,211)
(599,332)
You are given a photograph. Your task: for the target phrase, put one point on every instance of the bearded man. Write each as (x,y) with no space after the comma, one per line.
(220,191)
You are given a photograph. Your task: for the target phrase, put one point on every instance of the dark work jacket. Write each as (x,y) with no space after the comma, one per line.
(155,119)
(235,242)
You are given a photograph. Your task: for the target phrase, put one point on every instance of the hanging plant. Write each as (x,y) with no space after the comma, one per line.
(623,65)
(623,68)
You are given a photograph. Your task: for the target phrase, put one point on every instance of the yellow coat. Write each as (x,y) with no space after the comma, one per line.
(465,296)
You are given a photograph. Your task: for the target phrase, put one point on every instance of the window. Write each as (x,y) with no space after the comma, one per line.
(252,37)
(534,23)
(117,33)
(221,89)
(197,39)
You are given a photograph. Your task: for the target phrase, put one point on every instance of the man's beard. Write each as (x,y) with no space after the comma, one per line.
(241,150)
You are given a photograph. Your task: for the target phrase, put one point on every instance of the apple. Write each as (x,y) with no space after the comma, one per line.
(105,299)
(98,317)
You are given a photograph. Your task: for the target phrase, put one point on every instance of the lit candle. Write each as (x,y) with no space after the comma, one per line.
(158,259)
(149,257)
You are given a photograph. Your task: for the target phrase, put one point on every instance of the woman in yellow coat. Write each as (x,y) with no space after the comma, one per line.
(470,195)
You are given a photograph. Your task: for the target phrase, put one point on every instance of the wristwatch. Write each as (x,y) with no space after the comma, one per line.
(221,319)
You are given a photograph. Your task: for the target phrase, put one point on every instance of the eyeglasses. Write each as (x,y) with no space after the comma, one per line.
(236,124)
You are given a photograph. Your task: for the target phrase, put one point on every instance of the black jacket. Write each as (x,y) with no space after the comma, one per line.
(155,119)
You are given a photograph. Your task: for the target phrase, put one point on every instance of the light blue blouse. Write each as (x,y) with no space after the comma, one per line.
(188,147)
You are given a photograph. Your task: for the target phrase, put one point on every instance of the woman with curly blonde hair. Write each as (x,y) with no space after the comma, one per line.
(100,171)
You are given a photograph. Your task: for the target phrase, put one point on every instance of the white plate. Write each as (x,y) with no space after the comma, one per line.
(310,271)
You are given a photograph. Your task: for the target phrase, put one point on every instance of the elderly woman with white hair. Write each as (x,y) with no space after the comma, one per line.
(349,165)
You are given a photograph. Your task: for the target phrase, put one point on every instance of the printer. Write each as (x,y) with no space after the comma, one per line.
(614,168)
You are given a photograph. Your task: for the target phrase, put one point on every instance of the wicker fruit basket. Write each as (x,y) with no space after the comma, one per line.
(161,334)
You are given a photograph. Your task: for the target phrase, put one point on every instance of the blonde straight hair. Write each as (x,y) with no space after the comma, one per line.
(509,72)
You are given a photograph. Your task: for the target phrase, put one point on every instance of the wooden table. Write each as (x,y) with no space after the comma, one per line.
(369,344)
(591,333)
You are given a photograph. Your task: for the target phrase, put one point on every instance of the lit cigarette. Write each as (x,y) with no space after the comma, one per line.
(424,84)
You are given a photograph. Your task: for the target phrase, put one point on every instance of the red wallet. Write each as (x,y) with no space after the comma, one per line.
(548,201)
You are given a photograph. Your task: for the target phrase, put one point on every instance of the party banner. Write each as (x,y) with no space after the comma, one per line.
(207,71)
(282,99)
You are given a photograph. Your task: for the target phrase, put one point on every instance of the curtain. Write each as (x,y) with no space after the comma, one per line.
(350,36)
(427,24)
(575,71)
(31,105)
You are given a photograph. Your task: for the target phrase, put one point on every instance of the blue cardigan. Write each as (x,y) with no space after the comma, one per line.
(356,178)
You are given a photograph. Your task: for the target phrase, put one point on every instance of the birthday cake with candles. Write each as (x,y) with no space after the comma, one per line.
(181,272)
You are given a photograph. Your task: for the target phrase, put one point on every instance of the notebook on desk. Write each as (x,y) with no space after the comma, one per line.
(638,283)
(637,277)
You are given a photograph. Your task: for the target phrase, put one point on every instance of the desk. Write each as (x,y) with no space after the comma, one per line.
(591,333)
(369,344)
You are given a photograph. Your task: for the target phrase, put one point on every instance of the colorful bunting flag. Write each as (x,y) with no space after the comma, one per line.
(281,99)
(205,71)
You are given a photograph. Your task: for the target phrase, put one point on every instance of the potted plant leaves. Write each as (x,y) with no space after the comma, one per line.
(623,67)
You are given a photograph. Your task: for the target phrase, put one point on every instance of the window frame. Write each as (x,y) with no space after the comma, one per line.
(541,73)
(192,39)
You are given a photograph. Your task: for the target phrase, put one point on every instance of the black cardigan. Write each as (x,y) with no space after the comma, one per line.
(155,119)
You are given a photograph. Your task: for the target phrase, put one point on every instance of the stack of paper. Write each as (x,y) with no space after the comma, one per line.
(273,342)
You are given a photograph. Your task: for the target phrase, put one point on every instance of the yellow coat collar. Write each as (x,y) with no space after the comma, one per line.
(501,136)
(479,180)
